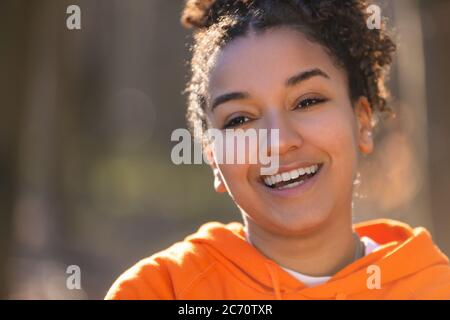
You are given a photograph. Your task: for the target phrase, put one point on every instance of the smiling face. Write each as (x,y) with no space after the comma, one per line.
(278,79)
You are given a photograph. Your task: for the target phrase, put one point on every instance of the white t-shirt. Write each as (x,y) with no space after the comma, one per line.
(309,281)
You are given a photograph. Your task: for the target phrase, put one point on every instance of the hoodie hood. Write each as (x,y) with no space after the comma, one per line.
(403,252)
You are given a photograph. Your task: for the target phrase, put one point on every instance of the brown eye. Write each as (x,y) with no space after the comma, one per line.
(309,102)
(237,121)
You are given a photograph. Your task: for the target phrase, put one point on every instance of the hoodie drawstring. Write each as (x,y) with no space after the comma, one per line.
(275,282)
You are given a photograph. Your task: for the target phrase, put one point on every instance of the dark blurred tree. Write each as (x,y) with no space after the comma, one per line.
(436,23)
(13,28)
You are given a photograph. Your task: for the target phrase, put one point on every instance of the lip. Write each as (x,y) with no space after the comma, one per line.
(298,190)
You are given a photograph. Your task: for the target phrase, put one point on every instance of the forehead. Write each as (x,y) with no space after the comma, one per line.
(267,58)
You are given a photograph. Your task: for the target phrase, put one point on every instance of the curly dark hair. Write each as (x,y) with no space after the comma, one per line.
(338,25)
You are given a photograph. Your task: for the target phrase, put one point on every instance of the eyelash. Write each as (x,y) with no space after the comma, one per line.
(232,123)
(307,103)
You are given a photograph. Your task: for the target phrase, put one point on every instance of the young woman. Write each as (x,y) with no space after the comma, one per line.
(314,71)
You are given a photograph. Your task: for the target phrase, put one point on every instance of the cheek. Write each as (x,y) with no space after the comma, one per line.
(337,138)
(234,173)
(236,181)
(343,151)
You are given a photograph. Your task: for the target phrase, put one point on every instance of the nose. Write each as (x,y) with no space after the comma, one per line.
(289,137)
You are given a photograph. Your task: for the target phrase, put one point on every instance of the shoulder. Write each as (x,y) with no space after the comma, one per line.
(431,283)
(163,275)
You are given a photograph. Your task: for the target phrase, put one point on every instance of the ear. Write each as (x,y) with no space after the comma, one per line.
(363,113)
(219,184)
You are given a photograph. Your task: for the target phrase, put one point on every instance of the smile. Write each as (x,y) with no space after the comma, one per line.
(291,179)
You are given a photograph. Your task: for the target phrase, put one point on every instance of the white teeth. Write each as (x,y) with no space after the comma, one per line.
(291,185)
(294,174)
(291,175)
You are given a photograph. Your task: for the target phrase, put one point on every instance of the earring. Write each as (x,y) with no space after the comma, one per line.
(366,142)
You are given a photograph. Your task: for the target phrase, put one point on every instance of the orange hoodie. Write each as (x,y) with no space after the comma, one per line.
(218,263)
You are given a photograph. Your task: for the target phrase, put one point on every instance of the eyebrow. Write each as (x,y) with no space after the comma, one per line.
(229,97)
(292,81)
(305,75)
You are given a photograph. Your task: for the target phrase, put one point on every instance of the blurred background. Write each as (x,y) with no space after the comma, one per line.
(86,117)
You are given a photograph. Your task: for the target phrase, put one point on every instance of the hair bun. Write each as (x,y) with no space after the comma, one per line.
(203,13)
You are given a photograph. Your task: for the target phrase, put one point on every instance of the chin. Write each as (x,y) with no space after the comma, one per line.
(292,222)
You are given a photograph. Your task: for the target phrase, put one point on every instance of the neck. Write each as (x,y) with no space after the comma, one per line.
(322,252)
